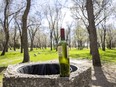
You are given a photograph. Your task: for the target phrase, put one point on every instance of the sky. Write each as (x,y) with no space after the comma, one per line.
(36,5)
(66,11)
(68,17)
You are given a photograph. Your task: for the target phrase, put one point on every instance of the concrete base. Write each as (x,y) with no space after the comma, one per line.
(79,78)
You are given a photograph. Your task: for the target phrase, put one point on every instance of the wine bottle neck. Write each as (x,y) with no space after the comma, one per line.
(62,34)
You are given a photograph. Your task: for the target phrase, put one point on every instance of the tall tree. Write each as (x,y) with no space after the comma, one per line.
(8,16)
(81,36)
(110,36)
(24,32)
(14,39)
(49,12)
(68,33)
(55,17)
(32,33)
(79,13)
(92,33)
(105,5)
(33,26)
(5,26)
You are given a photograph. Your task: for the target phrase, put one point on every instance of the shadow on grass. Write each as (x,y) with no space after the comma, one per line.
(101,79)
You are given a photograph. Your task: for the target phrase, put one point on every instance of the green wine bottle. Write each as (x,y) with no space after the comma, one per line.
(63,56)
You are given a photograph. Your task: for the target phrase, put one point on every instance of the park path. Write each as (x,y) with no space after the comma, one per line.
(104,76)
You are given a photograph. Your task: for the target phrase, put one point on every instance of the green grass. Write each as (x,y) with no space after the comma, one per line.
(16,57)
(13,57)
(79,54)
(10,57)
(43,55)
(108,55)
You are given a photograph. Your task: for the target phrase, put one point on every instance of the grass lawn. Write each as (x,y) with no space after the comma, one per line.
(14,57)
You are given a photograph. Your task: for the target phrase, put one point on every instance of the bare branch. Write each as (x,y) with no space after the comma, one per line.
(16,11)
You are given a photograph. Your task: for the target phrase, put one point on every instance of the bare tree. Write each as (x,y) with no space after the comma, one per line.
(24,32)
(81,36)
(79,13)
(5,26)
(92,34)
(41,39)
(32,32)
(1,39)
(102,35)
(51,21)
(55,17)
(8,17)
(15,38)
(105,4)
(110,36)
(99,6)
(68,33)
(18,24)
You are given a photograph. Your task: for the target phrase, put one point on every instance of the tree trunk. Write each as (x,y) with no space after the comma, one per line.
(21,44)
(104,38)
(20,33)
(5,49)
(109,44)
(14,46)
(92,32)
(51,40)
(24,32)
(32,36)
(90,45)
(56,40)
(14,39)
(31,48)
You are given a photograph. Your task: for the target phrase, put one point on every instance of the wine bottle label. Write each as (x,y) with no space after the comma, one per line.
(60,51)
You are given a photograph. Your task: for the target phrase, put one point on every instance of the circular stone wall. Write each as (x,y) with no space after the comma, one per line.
(43,69)
(46,75)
